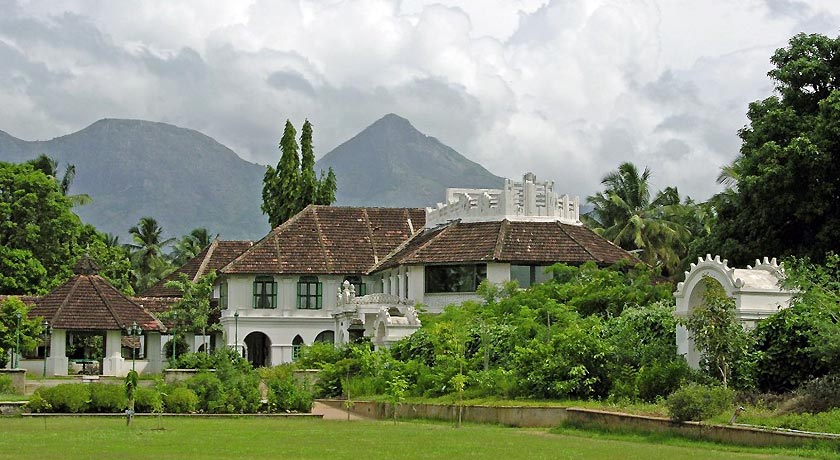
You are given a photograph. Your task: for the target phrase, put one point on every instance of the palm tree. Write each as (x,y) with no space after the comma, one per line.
(625,215)
(147,248)
(49,167)
(190,245)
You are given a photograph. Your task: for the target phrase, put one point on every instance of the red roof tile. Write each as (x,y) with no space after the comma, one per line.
(327,239)
(215,256)
(506,241)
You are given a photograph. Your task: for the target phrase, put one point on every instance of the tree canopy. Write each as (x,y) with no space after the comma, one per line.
(785,198)
(292,185)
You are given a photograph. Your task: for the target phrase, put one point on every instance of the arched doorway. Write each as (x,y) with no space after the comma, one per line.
(325,337)
(259,349)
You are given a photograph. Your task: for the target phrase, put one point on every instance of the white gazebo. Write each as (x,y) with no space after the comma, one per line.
(756,290)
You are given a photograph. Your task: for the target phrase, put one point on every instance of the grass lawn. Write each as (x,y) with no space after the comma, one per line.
(70,438)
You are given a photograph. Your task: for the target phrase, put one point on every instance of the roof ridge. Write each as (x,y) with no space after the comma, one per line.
(66,298)
(271,233)
(321,239)
(108,305)
(206,261)
(500,239)
(582,246)
(370,236)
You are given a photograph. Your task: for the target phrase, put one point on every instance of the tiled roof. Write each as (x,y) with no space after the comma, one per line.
(88,302)
(215,256)
(327,239)
(506,241)
(156,306)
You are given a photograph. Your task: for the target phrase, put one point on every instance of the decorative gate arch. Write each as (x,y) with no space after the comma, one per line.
(756,291)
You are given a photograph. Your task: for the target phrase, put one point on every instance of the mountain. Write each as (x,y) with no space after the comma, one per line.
(134,168)
(185,179)
(391,163)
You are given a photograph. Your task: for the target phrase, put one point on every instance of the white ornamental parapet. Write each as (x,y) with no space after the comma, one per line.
(528,200)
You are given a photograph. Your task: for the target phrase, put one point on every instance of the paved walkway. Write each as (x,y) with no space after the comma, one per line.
(331,413)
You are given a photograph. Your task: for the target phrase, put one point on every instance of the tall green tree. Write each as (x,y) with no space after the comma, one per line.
(147,252)
(49,167)
(14,321)
(625,214)
(39,234)
(195,303)
(292,185)
(787,199)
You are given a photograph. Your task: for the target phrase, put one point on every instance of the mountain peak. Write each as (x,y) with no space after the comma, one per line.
(393,120)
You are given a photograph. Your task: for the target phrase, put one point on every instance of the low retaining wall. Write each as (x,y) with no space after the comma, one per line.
(11,407)
(18,378)
(547,417)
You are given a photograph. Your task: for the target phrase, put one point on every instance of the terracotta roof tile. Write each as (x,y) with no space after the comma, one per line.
(88,302)
(215,256)
(506,241)
(327,239)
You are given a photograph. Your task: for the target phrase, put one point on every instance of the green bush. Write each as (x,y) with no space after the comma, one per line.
(67,397)
(107,398)
(317,355)
(659,379)
(147,400)
(38,404)
(285,393)
(210,392)
(698,402)
(819,395)
(195,361)
(6,385)
(181,400)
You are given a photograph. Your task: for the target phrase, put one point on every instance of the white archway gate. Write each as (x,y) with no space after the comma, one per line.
(756,291)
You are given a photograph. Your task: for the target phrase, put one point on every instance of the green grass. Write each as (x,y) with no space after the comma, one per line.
(13,397)
(70,438)
(637,408)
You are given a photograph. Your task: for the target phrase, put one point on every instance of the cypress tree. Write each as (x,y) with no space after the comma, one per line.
(281,185)
(308,182)
(326,188)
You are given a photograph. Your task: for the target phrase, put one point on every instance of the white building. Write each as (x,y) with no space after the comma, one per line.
(335,273)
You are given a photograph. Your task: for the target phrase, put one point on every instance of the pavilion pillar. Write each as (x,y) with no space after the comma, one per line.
(57,363)
(189,337)
(112,364)
(153,353)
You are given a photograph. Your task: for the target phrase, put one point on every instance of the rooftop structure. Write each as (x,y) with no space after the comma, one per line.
(526,201)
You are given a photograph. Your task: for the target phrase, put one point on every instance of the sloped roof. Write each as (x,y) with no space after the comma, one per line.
(506,241)
(215,256)
(330,240)
(89,302)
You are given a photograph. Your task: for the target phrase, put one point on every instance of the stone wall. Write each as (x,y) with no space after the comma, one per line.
(18,377)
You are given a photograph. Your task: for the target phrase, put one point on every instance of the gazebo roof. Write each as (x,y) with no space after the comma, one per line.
(89,302)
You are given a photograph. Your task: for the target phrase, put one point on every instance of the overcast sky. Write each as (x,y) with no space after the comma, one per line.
(567,89)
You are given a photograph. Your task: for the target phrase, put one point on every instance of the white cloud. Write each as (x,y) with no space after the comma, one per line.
(565,88)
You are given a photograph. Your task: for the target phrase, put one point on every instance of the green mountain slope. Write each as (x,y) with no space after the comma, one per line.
(134,168)
(391,163)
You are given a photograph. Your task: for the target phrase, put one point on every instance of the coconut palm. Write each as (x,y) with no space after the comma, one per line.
(625,215)
(49,167)
(190,245)
(148,246)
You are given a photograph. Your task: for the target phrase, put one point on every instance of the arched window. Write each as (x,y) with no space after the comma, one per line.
(297,342)
(325,337)
(309,293)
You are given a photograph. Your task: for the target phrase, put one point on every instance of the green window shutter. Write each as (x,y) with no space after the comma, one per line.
(318,295)
(273,294)
(255,295)
(300,294)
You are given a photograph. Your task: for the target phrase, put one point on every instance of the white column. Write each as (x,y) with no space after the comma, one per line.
(112,364)
(57,362)
(153,353)
(416,280)
(189,337)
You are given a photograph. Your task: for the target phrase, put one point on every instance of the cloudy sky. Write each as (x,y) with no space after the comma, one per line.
(568,89)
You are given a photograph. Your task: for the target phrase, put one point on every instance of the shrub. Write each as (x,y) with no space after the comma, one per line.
(38,404)
(317,355)
(659,379)
(6,385)
(285,393)
(210,392)
(147,400)
(818,395)
(67,397)
(698,402)
(195,361)
(181,400)
(107,398)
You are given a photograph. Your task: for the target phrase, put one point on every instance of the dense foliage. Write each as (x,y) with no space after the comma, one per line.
(292,185)
(788,171)
(16,326)
(698,402)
